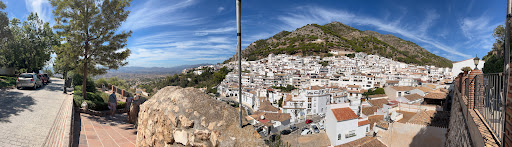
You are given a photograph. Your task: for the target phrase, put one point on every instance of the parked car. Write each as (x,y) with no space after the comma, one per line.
(285,132)
(44,78)
(315,129)
(305,132)
(48,77)
(28,80)
(308,121)
(293,128)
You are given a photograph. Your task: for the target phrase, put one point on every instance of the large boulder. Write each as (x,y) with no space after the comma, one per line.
(187,117)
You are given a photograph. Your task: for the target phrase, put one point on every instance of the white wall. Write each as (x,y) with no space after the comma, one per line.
(469,62)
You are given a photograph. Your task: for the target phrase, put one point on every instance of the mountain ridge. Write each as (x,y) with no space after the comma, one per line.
(314,39)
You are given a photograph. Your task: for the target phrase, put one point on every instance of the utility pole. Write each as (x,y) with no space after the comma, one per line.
(506,68)
(239,46)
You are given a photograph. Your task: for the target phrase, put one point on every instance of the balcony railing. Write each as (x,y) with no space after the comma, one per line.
(489,100)
(487,93)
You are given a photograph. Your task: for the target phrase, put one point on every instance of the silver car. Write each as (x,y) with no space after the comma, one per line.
(29,80)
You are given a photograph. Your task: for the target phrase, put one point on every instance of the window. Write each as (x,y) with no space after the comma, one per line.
(350,134)
(367,129)
(339,136)
(399,93)
(309,105)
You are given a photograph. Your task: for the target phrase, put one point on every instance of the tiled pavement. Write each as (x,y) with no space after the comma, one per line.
(97,131)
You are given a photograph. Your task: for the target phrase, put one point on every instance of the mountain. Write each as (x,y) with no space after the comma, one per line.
(314,39)
(153,70)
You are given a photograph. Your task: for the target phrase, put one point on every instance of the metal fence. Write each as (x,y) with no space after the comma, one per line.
(489,99)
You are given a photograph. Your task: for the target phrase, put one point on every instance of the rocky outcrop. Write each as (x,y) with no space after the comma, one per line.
(186,116)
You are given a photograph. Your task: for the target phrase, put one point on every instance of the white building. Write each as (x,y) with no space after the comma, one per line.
(342,125)
(468,62)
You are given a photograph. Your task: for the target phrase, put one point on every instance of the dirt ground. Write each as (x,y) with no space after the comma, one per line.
(412,135)
(319,139)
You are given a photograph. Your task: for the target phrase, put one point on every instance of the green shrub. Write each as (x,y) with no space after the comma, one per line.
(97,105)
(100,82)
(121,105)
(77,80)
(78,100)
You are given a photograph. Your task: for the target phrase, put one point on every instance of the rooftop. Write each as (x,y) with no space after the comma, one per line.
(343,114)
(413,97)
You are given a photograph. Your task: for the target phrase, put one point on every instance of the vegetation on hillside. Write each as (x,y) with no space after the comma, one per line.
(305,41)
(494,60)
(288,88)
(209,79)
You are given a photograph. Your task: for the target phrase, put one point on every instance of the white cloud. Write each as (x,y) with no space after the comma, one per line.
(320,15)
(157,13)
(41,7)
(479,31)
(428,21)
(220,9)
(215,31)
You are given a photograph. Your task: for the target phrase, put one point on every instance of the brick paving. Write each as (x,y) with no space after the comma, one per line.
(98,131)
(28,117)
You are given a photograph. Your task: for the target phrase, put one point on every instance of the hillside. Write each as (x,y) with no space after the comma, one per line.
(315,39)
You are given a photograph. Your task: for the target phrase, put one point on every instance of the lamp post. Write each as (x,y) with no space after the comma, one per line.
(476,60)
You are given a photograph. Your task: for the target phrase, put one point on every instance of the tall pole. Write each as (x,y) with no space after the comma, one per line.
(506,68)
(239,46)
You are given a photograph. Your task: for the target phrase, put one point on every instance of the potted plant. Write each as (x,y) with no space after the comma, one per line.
(466,70)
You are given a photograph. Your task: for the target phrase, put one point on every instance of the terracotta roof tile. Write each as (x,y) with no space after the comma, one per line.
(370,110)
(403,88)
(378,102)
(362,123)
(377,95)
(413,97)
(277,116)
(342,114)
(436,95)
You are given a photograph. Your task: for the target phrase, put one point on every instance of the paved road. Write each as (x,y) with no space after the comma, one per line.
(27,115)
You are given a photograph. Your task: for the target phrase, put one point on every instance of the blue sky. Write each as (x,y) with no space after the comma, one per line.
(168,33)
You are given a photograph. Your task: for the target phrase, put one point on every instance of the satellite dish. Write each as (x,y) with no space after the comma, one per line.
(262,117)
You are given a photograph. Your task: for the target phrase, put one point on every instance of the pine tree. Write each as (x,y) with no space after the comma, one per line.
(90,27)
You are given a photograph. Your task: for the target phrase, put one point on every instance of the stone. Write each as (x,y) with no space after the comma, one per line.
(203,122)
(214,137)
(181,137)
(185,122)
(169,118)
(220,123)
(211,125)
(202,134)
(176,109)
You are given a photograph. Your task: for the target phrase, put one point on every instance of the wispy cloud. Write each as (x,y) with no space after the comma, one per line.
(215,31)
(312,14)
(41,7)
(158,13)
(428,21)
(479,31)
(220,9)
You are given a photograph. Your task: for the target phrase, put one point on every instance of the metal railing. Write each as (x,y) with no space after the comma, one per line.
(489,99)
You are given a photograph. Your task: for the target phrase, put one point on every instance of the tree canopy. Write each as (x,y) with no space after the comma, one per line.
(91,29)
(29,45)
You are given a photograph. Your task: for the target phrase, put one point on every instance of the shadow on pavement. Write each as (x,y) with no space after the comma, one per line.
(77,128)
(12,103)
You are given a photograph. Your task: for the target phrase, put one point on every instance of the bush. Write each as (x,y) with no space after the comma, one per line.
(77,81)
(78,100)
(100,82)
(97,105)
(121,105)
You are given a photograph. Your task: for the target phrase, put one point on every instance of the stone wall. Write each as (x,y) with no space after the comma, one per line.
(458,134)
(186,116)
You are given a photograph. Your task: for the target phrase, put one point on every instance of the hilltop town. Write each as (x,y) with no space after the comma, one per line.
(285,91)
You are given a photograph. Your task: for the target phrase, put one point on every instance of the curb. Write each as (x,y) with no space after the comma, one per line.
(60,132)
